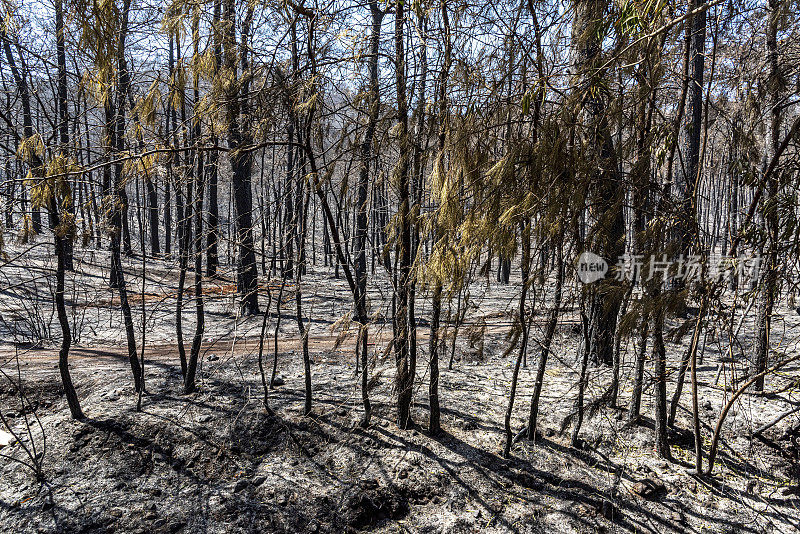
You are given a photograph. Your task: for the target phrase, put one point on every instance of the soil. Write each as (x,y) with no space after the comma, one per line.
(216,461)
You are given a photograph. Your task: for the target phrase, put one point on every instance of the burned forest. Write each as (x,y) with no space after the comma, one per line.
(434,267)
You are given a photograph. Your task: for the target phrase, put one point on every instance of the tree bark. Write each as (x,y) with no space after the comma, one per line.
(405,368)
(212,253)
(434,424)
(63,130)
(199,174)
(770,267)
(550,331)
(61,310)
(360,244)
(523,326)
(661,443)
(606,197)
(118,198)
(239,137)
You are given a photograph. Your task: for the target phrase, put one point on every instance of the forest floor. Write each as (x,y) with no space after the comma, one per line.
(214,461)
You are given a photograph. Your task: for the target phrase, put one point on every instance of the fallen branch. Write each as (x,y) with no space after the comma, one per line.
(760,430)
(718,429)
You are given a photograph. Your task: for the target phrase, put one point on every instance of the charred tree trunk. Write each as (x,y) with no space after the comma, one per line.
(61,310)
(690,177)
(59,233)
(661,443)
(434,425)
(403,358)
(635,403)
(63,131)
(118,198)
(769,272)
(360,244)
(239,136)
(607,193)
(523,327)
(552,322)
(199,188)
(212,253)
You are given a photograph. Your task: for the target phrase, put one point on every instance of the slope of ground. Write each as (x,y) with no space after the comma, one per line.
(215,461)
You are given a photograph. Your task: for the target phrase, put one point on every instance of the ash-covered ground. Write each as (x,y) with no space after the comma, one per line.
(215,461)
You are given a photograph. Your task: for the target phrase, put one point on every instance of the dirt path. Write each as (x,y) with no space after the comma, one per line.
(112,355)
